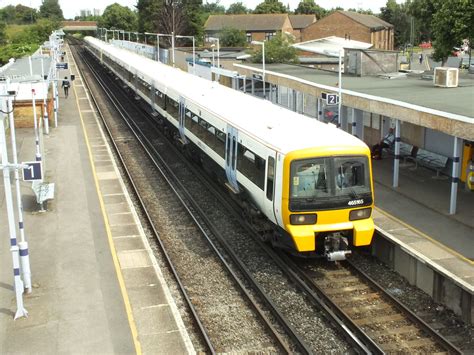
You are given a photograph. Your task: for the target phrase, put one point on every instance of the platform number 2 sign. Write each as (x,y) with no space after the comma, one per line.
(332,99)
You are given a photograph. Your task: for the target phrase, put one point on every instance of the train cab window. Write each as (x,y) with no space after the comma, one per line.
(270,177)
(309,178)
(322,183)
(350,174)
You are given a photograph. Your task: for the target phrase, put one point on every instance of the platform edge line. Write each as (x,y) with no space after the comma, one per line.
(424,235)
(126,299)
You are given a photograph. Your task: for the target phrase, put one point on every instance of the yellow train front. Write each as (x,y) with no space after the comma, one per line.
(327,200)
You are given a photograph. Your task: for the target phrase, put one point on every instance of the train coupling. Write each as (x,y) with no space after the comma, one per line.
(336,247)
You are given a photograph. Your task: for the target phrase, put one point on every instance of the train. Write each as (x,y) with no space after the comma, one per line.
(306,183)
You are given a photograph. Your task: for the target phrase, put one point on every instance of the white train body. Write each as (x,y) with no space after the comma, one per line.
(257,144)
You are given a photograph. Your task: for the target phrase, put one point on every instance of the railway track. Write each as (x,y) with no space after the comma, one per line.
(363,336)
(359,300)
(186,201)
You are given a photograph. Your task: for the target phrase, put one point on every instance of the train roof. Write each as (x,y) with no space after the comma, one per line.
(271,124)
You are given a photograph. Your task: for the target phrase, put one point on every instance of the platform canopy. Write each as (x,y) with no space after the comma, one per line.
(330,46)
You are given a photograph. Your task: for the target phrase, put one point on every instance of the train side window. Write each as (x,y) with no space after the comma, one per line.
(172,108)
(234,156)
(270,177)
(251,165)
(220,143)
(228,149)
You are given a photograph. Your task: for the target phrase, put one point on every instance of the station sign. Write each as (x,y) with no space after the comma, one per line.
(33,171)
(331,99)
(61,66)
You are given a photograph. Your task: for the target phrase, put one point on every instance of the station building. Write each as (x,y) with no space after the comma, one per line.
(24,76)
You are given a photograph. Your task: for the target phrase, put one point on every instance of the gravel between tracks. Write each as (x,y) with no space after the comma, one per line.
(309,322)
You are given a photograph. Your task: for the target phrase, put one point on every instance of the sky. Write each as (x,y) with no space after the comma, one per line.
(72,8)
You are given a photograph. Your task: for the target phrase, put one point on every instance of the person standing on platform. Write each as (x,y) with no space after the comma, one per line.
(420,58)
(66,84)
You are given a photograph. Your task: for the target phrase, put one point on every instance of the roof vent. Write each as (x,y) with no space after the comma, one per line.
(446,77)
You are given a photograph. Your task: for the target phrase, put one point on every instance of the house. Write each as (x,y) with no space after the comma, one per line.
(258,27)
(298,22)
(352,25)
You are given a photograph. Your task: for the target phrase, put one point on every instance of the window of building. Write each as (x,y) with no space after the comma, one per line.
(249,37)
(269,35)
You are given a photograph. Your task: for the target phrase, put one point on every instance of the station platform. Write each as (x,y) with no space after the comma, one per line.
(421,240)
(96,286)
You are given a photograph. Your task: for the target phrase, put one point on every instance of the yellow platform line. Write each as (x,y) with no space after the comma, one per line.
(126,299)
(441,245)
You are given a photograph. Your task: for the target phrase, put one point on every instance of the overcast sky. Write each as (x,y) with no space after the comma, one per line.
(72,8)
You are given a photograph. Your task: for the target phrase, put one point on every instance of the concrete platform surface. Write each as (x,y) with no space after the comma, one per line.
(96,285)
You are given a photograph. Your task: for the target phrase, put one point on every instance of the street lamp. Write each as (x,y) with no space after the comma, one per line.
(262,43)
(216,39)
(194,51)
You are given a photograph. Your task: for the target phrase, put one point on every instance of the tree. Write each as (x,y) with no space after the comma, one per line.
(3,35)
(237,8)
(270,7)
(118,17)
(213,8)
(423,12)
(149,12)
(397,15)
(309,7)
(451,24)
(25,14)
(232,37)
(51,9)
(277,50)
(8,14)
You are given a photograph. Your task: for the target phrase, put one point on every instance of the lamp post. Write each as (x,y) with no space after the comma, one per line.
(216,39)
(212,46)
(262,43)
(19,286)
(194,51)
(339,104)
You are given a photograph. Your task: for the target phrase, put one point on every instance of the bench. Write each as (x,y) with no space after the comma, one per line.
(43,191)
(430,160)
(406,150)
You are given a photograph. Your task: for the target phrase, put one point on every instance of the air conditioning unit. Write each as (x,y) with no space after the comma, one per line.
(446,77)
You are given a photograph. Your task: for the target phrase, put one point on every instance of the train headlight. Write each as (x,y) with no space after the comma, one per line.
(298,219)
(364,213)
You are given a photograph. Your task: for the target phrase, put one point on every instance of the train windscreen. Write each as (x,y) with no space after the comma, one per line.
(330,183)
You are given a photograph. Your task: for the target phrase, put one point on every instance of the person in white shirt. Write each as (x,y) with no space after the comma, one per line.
(386,142)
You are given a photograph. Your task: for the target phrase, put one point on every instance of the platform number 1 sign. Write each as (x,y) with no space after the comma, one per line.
(33,171)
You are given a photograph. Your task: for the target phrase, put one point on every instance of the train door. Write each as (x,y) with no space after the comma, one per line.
(182,117)
(231,144)
(270,188)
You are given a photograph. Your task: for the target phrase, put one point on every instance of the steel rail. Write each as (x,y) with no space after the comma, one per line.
(350,336)
(446,344)
(147,146)
(145,211)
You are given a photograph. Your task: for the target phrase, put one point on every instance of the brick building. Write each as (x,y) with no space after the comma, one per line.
(352,25)
(258,27)
(299,22)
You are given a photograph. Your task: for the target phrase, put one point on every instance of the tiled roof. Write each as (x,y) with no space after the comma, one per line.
(369,21)
(301,21)
(246,22)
